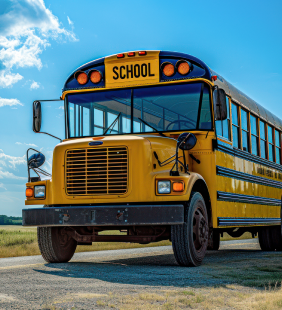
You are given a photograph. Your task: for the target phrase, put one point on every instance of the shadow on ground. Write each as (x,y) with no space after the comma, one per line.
(244,267)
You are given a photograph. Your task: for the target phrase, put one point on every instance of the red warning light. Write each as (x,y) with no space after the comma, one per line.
(120,55)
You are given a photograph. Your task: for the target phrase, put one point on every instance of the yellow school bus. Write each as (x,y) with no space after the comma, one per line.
(159,147)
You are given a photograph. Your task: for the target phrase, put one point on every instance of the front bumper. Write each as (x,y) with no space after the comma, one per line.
(121,215)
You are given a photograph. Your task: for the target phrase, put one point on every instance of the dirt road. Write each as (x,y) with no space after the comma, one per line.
(91,279)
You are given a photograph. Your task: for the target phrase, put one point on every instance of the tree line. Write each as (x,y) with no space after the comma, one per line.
(10,220)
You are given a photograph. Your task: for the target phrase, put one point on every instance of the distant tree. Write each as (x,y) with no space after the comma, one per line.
(10,220)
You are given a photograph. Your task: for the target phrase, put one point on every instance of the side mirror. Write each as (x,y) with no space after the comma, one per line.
(186,141)
(36,160)
(220,108)
(36,116)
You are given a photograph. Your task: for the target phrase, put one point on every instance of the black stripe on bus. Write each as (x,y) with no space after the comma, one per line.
(230,173)
(247,156)
(230,221)
(224,196)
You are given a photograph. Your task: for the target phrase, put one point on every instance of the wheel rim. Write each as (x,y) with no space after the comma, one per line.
(200,230)
(63,237)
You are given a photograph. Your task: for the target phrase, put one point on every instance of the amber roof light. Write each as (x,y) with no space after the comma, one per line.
(168,69)
(82,78)
(95,76)
(183,67)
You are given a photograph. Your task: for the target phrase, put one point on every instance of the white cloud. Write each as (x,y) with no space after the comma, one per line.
(69,21)
(9,102)
(34,85)
(12,161)
(26,27)
(9,175)
(2,186)
(28,144)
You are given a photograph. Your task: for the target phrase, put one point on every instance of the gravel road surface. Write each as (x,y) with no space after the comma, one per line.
(30,283)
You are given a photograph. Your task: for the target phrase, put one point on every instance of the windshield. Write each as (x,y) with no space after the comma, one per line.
(166,108)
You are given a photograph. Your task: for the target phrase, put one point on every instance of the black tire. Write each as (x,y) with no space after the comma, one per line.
(188,246)
(55,245)
(214,240)
(270,238)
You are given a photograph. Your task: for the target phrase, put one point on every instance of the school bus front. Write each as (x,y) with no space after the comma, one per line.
(138,157)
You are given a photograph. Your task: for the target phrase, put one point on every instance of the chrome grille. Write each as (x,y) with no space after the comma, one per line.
(97,171)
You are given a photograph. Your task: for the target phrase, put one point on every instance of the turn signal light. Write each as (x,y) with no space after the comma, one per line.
(120,55)
(82,78)
(95,76)
(130,54)
(183,67)
(168,69)
(178,187)
(29,192)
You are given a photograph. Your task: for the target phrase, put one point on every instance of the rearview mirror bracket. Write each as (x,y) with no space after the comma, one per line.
(37,116)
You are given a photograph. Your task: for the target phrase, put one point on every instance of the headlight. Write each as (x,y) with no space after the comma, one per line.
(163,187)
(39,191)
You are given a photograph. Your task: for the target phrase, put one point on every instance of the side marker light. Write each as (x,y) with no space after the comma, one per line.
(178,187)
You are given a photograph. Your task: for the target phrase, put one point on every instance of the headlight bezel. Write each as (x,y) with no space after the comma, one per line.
(158,187)
(36,189)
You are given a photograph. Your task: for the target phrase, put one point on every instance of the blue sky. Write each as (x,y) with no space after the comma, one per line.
(42,42)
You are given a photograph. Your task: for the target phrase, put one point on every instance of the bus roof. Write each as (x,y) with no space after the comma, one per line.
(235,94)
(246,102)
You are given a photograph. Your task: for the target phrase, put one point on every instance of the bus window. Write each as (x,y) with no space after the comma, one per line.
(277,146)
(262,140)
(245,131)
(235,125)
(98,122)
(254,135)
(223,127)
(270,143)
(205,117)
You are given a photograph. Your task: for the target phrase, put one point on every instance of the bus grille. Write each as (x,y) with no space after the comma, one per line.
(99,171)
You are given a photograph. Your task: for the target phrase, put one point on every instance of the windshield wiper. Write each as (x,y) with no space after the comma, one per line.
(159,132)
(112,124)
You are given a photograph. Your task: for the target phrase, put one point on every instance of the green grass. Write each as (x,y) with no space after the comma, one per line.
(22,241)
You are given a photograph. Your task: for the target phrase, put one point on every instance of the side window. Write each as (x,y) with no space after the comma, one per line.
(254,135)
(277,146)
(262,139)
(245,131)
(223,127)
(235,125)
(270,143)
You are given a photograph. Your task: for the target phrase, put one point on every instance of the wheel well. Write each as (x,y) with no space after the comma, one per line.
(201,187)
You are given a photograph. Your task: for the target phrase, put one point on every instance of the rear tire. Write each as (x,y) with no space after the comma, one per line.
(214,240)
(190,240)
(55,245)
(270,238)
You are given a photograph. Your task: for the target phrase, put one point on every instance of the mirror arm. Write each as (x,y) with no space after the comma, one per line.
(46,133)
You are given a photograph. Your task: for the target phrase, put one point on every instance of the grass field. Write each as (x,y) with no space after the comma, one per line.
(22,241)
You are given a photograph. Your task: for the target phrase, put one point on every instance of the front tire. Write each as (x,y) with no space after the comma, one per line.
(55,245)
(190,240)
